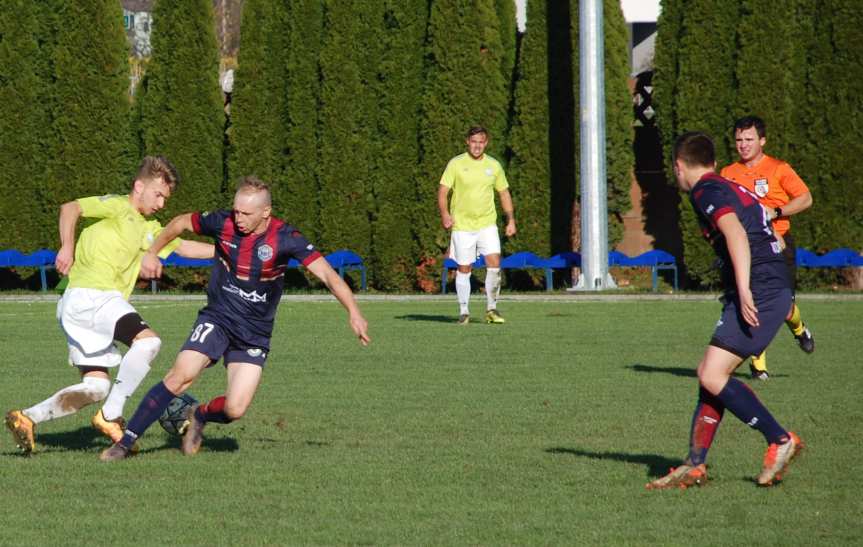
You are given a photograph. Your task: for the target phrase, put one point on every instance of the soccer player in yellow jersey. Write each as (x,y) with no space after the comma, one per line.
(473,177)
(94,310)
(783,194)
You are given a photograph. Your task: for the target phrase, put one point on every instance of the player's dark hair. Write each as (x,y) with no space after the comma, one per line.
(695,149)
(477,130)
(253,183)
(154,167)
(750,121)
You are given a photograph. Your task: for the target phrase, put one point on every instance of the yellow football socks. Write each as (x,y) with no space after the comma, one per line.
(759,362)
(794,322)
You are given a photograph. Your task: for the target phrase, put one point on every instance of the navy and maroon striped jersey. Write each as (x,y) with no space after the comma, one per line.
(713,197)
(247,278)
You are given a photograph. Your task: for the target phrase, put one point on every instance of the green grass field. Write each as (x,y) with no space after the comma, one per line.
(540,431)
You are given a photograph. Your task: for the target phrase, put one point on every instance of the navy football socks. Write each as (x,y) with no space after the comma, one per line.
(154,403)
(743,403)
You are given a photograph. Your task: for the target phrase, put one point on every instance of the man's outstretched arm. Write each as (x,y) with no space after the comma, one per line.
(323,271)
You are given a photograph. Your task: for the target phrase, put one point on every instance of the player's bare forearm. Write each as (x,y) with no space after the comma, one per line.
(508,212)
(443,206)
(70,212)
(196,249)
(323,271)
(177,225)
(151,267)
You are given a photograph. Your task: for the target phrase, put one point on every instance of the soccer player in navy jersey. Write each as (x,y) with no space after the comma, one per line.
(756,300)
(252,251)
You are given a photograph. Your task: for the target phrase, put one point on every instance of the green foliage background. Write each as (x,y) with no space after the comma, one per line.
(352,109)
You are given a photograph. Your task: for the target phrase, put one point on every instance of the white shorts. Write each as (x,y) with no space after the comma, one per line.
(465,247)
(88,318)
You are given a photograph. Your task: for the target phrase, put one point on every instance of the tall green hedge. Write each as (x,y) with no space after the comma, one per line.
(829,159)
(183,112)
(93,153)
(258,133)
(25,121)
(304,33)
(529,170)
(701,72)
(771,69)
(464,86)
(346,118)
(398,90)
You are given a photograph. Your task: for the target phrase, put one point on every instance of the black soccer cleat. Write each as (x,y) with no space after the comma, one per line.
(756,374)
(805,340)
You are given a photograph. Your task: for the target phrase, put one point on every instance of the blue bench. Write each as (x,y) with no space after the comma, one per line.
(656,260)
(837,258)
(42,259)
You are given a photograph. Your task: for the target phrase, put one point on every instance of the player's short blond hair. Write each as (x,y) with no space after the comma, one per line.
(251,183)
(158,167)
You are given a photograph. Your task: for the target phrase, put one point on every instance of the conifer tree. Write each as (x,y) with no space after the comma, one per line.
(259,100)
(183,112)
(91,107)
(346,125)
(508,38)
(25,126)
(464,87)
(703,72)
(771,69)
(529,170)
(300,201)
(828,162)
(398,90)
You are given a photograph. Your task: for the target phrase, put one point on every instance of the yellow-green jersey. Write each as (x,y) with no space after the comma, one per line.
(108,253)
(473,183)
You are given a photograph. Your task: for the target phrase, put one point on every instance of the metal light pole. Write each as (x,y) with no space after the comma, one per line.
(594,206)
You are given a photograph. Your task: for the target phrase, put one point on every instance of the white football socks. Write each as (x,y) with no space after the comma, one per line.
(70,400)
(133,368)
(462,289)
(492,287)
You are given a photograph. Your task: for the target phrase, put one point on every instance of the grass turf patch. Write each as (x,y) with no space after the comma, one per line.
(543,430)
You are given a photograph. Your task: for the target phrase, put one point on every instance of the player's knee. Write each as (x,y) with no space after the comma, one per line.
(97,389)
(235,411)
(149,346)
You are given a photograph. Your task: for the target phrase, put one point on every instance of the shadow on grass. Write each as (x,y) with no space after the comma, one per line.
(657,465)
(221,444)
(685,372)
(83,438)
(87,438)
(423,317)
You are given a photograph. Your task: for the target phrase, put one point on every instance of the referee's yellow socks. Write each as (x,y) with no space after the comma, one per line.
(794,322)
(759,362)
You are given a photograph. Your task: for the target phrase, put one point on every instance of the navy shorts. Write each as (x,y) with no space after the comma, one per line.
(217,342)
(735,335)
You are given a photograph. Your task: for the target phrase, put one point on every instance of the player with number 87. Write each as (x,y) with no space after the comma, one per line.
(252,252)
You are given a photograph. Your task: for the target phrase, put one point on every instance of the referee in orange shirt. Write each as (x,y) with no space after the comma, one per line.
(783,194)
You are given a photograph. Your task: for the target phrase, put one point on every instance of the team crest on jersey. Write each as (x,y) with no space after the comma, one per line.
(265,252)
(489,172)
(761,187)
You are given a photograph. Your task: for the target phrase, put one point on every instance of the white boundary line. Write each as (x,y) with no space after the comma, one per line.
(558,297)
